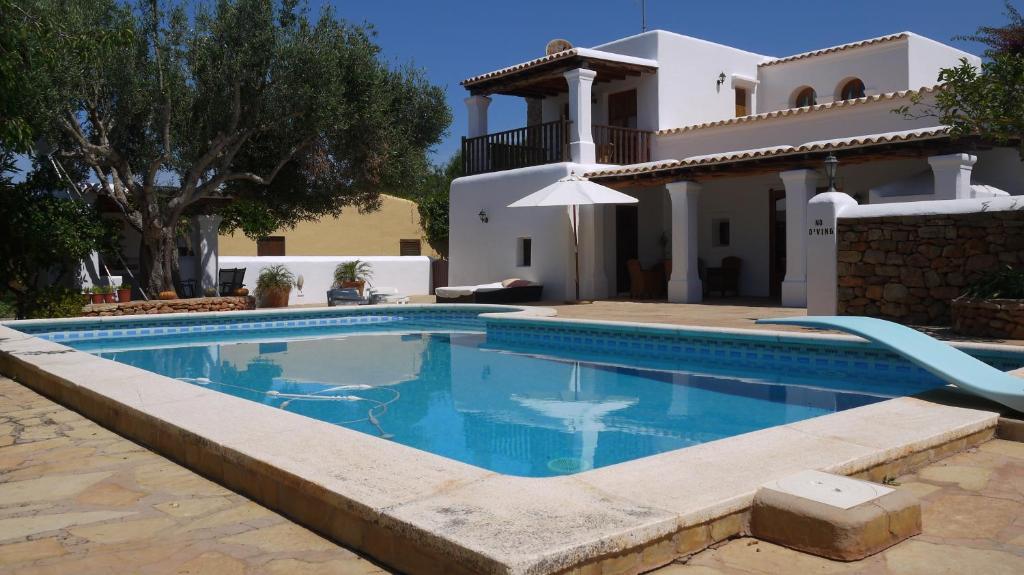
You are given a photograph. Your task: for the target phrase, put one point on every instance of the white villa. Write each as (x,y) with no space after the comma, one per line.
(723,149)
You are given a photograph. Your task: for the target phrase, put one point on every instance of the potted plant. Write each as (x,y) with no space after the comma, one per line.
(124,293)
(274,285)
(108,294)
(353,274)
(97,294)
(992,306)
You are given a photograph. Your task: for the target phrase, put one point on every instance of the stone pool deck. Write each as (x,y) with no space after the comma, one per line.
(76,498)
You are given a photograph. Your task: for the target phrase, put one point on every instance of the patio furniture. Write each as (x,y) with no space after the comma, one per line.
(643,283)
(725,278)
(388,295)
(230,279)
(509,291)
(187,289)
(345,296)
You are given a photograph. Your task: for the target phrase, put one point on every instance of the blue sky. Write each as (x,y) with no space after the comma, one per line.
(455,39)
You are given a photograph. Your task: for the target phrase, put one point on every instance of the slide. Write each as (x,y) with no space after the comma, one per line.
(945,361)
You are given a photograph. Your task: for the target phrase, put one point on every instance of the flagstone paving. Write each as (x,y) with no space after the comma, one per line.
(76,498)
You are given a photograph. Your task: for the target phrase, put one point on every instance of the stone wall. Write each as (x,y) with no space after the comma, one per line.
(1003,318)
(234,303)
(909,268)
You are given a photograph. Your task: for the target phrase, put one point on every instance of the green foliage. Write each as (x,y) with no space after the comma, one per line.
(432,199)
(986,102)
(55,301)
(251,100)
(353,271)
(1004,283)
(272,278)
(43,237)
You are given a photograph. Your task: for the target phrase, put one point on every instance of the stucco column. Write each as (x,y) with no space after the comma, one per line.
(822,264)
(476,106)
(684,286)
(800,188)
(952,174)
(593,281)
(581,141)
(206,259)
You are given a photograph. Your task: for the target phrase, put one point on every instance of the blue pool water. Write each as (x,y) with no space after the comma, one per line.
(510,405)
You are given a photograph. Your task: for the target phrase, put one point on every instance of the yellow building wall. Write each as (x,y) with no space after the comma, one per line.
(351,234)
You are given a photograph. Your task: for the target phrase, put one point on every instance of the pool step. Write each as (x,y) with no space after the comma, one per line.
(833,516)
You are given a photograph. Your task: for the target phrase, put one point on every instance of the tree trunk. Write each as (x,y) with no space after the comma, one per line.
(159,257)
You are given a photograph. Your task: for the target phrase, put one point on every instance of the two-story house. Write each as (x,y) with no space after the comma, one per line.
(723,148)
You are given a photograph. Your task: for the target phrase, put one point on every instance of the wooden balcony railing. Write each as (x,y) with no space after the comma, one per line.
(616,145)
(548,143)
(545,143)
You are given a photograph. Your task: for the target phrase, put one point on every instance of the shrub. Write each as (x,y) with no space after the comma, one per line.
(276,277)
(353,271)
(55,302)
(1005,283)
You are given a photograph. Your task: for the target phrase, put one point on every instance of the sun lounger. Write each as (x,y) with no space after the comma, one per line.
(942,360)
(508,291)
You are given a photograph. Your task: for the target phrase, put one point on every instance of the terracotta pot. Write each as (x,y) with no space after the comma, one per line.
(169,294)
(358,284)
(97,298)
(242,292)
(124,295)
(109,298)
(275,298)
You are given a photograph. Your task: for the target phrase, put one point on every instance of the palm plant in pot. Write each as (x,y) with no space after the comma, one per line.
(274,285)
(353,274)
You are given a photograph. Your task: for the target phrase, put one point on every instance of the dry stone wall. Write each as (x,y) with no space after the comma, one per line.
(909,268)
(233,303)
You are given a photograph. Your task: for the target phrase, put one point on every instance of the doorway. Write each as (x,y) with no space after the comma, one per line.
(776,242)
(627,244)
(622,109)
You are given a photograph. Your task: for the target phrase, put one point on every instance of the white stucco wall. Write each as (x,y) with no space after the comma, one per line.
(744,202)
(410,275)
(926,57)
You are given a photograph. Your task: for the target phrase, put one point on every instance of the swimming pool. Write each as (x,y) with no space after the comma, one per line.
(516,397)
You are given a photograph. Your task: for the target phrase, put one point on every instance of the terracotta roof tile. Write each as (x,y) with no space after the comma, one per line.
(839,48)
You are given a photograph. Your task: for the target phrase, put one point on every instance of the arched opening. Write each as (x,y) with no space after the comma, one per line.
(805,96)
(852,89)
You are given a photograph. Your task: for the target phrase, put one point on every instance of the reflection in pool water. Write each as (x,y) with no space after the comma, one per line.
(504,410)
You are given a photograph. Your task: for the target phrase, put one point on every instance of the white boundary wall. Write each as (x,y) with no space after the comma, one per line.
(824,211)
(410,275)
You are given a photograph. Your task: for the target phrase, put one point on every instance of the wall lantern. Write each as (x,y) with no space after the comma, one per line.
(831,166)
(483,216)
(721,80)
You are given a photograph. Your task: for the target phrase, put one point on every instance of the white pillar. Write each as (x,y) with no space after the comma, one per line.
(581,141)
(593,280)
(800,188)
(952,174)
(477,108)
(207,257)
(823,213)
(684,286)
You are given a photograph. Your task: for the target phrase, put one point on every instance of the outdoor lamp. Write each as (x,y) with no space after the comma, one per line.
(483,216)
(831,165)
(721,79)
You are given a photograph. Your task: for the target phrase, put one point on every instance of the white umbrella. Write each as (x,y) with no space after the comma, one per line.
(574,191)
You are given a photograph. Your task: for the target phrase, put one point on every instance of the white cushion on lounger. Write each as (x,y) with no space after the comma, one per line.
(459,291)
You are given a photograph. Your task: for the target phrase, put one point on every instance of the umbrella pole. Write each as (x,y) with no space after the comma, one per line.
(576,247)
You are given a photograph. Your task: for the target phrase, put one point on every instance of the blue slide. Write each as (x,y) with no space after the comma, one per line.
(945,361)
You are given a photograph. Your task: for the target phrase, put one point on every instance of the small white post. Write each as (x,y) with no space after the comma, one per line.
(476,106)
(581,141)
(952,174)
(822,284)
(800,187)
(684,286)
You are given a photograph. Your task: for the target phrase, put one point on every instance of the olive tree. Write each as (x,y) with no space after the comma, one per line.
(275,116)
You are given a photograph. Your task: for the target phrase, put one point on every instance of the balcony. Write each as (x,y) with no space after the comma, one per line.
(548,143)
